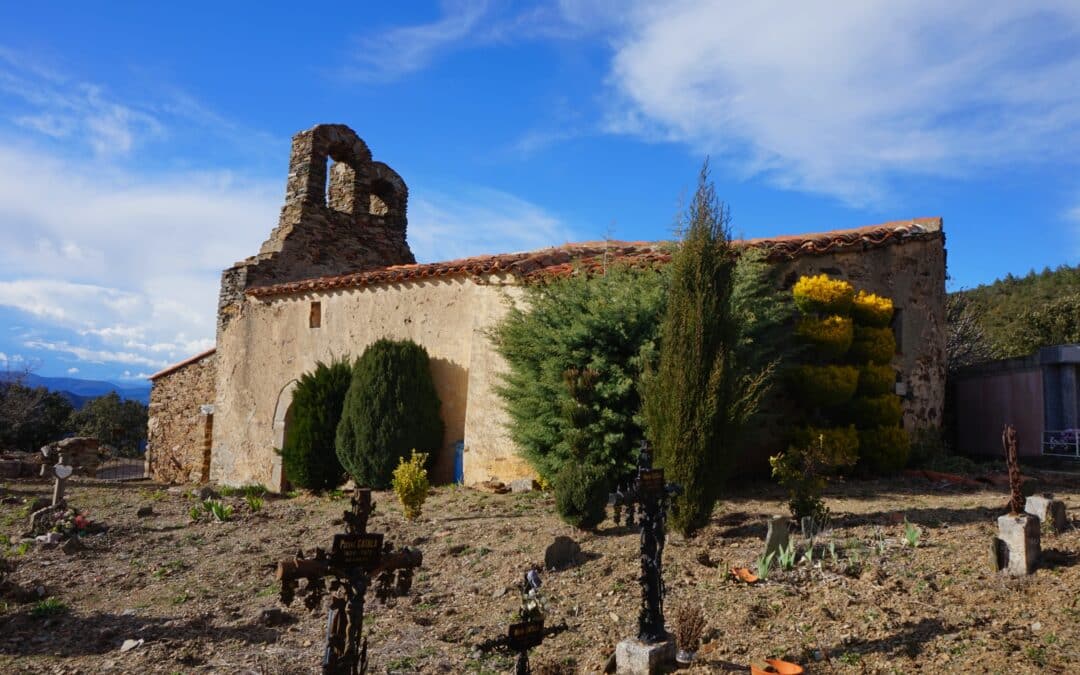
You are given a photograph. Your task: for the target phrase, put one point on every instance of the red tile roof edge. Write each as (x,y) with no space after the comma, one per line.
(560,259)
(181,364)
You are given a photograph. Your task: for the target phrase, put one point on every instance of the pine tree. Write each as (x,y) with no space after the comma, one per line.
(391,408)
(696,399)
(309,456)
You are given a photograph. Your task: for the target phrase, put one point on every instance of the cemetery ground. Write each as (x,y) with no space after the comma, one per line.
(193,596)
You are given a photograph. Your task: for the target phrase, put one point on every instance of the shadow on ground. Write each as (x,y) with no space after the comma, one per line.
(99,633)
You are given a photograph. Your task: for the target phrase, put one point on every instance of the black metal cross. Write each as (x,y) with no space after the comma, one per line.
(356,557)
(654,496)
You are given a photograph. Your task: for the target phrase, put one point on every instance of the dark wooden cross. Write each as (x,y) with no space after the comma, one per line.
(357,557)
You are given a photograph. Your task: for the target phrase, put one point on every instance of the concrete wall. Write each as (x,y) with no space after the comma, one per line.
(177,448)
(269,344)
(913,275)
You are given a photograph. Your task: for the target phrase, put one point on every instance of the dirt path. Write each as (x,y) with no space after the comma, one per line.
(193,592)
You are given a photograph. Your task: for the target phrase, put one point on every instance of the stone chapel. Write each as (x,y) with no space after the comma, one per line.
(337,274)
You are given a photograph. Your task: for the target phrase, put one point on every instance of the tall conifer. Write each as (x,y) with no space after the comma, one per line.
(695,399)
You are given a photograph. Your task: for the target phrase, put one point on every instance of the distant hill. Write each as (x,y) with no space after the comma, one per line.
(79,391)
(1000,305)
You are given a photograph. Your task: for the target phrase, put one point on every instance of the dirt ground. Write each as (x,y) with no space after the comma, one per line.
(192,592)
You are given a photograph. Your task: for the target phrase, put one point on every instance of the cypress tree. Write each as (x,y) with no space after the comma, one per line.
(695,399)
(308,455)
(391,408)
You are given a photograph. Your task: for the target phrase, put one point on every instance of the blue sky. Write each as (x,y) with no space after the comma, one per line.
(144,146)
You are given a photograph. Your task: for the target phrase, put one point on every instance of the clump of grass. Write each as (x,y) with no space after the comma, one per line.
(912,534)
(220,511)
(48,607)
(255,502)
(764,565)
(786,556)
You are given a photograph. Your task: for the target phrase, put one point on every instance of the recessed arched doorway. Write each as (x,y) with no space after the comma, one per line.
(283,410)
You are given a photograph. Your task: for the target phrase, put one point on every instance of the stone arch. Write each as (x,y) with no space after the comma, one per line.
(310,179)
(282,419)
(389,196)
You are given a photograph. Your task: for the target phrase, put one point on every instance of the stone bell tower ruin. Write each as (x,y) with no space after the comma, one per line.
(343,213)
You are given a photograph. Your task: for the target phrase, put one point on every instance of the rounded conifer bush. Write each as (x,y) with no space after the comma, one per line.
(581,494)
(390,409)
(308,454)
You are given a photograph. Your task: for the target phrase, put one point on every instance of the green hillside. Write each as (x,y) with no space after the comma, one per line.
(1021,314)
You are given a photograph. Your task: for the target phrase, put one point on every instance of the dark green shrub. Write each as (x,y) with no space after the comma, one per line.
(581,494)
(390,409)
(576,350)
(872,345)
(876,411)
(827,386)
(884,449)
(875,380)
(308,457)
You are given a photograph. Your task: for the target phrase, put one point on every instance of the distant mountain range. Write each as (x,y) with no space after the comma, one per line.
(79,391)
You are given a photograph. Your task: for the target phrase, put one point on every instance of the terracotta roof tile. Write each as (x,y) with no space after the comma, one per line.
(593,255)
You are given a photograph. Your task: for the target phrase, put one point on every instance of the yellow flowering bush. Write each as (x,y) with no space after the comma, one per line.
(884,449)
(826,386)
(871,310)
(872,345)
(832,335)
(822,295)
(875,380)
(410,484)
(876,411)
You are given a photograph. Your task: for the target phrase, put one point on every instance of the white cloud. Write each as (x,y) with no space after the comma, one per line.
(838,97)
(95,355)
(128,375)
(73,370)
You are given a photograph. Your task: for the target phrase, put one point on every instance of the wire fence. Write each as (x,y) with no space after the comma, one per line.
(122,468)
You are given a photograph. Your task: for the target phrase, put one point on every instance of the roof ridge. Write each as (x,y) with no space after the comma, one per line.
(556,258)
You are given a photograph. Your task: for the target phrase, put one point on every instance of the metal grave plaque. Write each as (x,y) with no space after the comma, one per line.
(358,550)
(651,482)
(525,635)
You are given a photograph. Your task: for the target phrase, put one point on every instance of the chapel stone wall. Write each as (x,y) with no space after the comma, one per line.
(181,422)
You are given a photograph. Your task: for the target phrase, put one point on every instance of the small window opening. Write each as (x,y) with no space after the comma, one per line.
(898,329)
(315,318)
(329,179)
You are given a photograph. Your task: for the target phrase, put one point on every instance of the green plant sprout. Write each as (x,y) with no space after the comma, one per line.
(912,533)
(786,556)
(764,565)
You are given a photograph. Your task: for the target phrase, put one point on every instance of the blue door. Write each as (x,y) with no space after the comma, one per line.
(459,462)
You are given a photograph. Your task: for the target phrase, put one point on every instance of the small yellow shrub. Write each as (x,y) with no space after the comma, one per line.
(411,483)
(831,336)
(872,345)
(822,295)
(875,380)
(872,310)
(825,386)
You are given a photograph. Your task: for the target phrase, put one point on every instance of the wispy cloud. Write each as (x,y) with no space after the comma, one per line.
(480,221)
(391,53)
(841,97)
